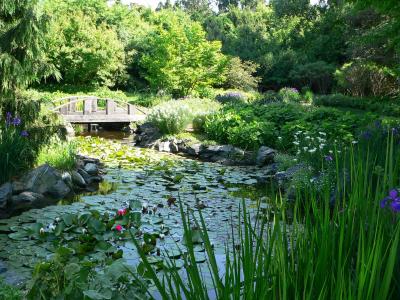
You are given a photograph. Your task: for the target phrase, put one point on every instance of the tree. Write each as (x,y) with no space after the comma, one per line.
(22,44)
(290,7)
(178,57)
(84,50)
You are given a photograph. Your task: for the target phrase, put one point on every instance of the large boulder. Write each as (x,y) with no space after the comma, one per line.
(43,180)
(27,200)
(91,169)
(5,194)
(77,179)
(265,156)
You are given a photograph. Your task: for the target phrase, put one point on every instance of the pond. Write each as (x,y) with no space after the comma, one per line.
(158,181)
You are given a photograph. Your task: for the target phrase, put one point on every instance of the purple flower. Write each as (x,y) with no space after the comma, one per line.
(24,133)
(393,200)
(366,135)
(16,121)
(328,158)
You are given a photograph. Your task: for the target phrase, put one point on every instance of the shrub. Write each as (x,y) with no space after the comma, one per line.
(175,115)
(231,97)
(290,95)
(240,75)
(367,79)
(60,155)
(317,76)
(251,135)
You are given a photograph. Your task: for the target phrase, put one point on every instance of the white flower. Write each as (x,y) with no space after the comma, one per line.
(296,143)
(321,146)
(305,148)
(322,133)
(41,231)
(52,227)
(84,230)
(312,150)
(162,236)
(330,151)
(279,138)
(354,142)
(307,137)
(294,159)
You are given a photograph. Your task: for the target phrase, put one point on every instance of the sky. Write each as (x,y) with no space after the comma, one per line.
(153,3)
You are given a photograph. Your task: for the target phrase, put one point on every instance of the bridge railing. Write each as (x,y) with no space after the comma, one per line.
(87,105)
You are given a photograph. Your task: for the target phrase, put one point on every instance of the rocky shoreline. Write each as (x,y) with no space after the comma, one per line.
(148,136)
(45,186)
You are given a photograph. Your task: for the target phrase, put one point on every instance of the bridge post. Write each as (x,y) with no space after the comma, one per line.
(72,106)
(110,107)
(94,104)
(87,106)
(64,110)
(131,109)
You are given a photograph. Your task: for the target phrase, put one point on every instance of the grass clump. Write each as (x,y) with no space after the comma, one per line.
(311,250)
(59,154)
(8,292)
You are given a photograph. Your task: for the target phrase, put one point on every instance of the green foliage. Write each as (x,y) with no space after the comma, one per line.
(178,58)
(240,75)
(274,125)
(363,79)
(318,76)
(290,246)
(84,51)
(175,115)
(289,95)
(22,57)
(60,155)
(231,97)
(383,106)
(9,292)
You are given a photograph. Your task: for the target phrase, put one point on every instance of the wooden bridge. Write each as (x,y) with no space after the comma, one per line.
(95,110)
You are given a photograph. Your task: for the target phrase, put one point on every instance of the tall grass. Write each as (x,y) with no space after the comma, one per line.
(59,154)
(348,251)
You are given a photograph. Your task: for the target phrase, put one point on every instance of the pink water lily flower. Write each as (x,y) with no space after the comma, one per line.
(122,212)
(118,228)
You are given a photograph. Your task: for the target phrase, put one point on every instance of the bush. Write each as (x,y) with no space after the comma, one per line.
(240,75)
(174,116)
(60,155)
(230,97)
(367,79)
(318,76)
(387,107)
(290,95)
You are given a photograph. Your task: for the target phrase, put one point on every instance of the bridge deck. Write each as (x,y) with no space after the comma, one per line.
(102,117)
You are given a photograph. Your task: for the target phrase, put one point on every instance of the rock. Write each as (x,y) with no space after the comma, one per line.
(5,194)
(265,155)
(88,160)
(84,174)
(194,149)
(91,169)
(78,179)
(42,180)
(66,177)
(69,130)
(59,190)
(174,147)
(27,200)
(164,146)
(146,135)
(95,179)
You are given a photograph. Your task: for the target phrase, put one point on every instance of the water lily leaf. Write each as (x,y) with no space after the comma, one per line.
(95,295)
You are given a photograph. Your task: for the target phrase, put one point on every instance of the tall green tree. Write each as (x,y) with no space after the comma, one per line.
(178,57)
(22,45)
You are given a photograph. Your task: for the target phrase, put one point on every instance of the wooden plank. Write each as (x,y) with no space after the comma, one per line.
(110,107)
(87,106)
(94,104)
